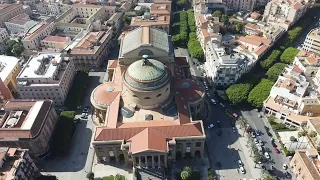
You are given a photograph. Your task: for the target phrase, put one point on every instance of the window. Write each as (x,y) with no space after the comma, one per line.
(158,95)
(147,98)
(198,144)
(145,52)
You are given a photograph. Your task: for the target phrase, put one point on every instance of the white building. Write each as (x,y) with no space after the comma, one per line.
(223,66)
(46,76)
(207,6)
(20,24)
(312,41)
(3,38)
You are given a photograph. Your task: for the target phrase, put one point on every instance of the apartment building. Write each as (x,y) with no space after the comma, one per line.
(160,9)
(294,97)
(252,29)
(224,67)
(207,6)
(156,21)
(253,46)
(27,124)
(240,5)
(17,164)
(46,76)
(50,8)
(92,49)
(8,11)
(20,24)
(3,39)
(32,39)
(305,164)
(207,27)
(313,125)
(285,12)
(98,12)
(312,41)
(55,42)
(9,70)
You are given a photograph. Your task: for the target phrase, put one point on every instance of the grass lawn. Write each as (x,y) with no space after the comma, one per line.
(112,178)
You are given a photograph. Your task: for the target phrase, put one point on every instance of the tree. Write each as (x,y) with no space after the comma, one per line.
(292,140)
(17,49)
(312,134)
(217,13)
(188,169)
(118,177)
(224,19)
(191,21)
(274,72)
(238,93)
(260,92)
(267,176)
(90,176)
(185,175)
(180,29)
(288,55)
(181,3)
(142,11)
(272,58)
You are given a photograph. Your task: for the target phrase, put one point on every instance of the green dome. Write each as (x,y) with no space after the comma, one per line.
(146,70)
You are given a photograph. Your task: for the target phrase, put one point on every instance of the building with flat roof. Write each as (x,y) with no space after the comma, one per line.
(27,124)
(91,50)
(294,97)
(306,164)
(9,70)
(8,11)
(20,24)
(312,41)
(4,36)
(160,9)
(285,13)
(46,76)
(55,42)
(148,110)
(156,21)
(253,46)
(17,164)
(224,67)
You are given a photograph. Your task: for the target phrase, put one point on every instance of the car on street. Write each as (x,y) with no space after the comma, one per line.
(85,110)
(266,154)
(208,94)
(222,105)
(213,101)
(242,170)
(83,116)
(240,163)
(235,115)
(276,150)
(210,126)
(255,141)
(233,129)
(260,142)
(284,166)
(253,135)
(258,132)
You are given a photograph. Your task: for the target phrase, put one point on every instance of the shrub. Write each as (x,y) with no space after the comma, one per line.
(238,93)
(185,175)
(274,72)
(260,92)
(271,59)
(288,55)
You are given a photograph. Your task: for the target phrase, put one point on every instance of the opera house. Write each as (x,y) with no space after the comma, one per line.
(150,111)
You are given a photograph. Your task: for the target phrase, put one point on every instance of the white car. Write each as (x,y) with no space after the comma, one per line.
(208,94)
(242,170)
(253,135)
(255,141)
(83,115)
(233,129)
(266,154)
(210,126)
(240,163)
(260,142)
(213,101)
(284,166)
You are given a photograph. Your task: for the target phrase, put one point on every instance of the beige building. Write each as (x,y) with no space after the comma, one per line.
(20,24)
(8,11)
(313,126)
(27,124)
(55,42)
(9,70)
(3,39)
(253,46)
(160,9)
(46,76)
(141,125)
(312,41)
(17,164)
(91,50)
(157,21)
(285,13)
(305,164)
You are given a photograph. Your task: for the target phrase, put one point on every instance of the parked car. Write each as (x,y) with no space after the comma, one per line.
(85,110)
(266,154)
(213,101)
(260,142)
(253,135)
(83,115)
(284,166)
(233,129)
(255,141)
(235,115)
(240,163)
(210,126)
(242,170)
(258,132)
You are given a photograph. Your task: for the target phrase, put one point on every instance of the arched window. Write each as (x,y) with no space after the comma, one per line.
(158,95)
(145,52)
(147,98)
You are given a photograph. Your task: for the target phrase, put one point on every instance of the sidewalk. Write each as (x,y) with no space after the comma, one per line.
(255,172)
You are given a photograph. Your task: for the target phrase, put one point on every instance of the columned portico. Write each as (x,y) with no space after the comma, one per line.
(154,161)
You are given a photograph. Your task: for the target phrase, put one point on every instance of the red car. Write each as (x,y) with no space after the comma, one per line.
(276,150)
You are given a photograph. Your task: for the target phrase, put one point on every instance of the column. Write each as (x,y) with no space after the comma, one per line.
(133,161)
(159,161)
(165,160)
(139,161)
(146,160)
(152,161)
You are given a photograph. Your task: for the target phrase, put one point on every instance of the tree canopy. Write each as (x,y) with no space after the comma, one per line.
(272,58)
(238,93)
(180,29)
(260,93)
(217,13)
(14,48)
(275,71)
(181,3)
(142,11)
(288,55)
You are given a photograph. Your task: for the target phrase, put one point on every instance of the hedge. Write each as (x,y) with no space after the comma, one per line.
(180,28)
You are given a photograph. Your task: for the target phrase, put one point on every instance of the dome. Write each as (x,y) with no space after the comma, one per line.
(146,70)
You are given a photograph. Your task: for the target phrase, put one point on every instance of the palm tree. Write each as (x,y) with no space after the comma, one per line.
(292,139)
(185,175)
(302,133)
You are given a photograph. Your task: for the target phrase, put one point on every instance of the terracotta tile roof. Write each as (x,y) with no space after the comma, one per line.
(297,5)
(288,84)
(296,69)
(106,93)
(255,15)
(148,139)
(147,124)
(86,5)
(313,59)
(108,134)
(113,64)
(260,50)
(38,31)
(21,19)
(113,113)
(58,39)
(249,41)
(160,9)
(311,168)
